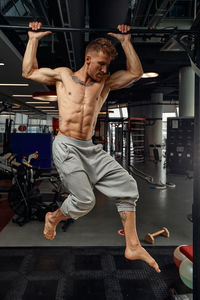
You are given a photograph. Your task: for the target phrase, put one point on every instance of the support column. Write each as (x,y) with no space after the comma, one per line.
(155,131)
(186,92)
(49,123)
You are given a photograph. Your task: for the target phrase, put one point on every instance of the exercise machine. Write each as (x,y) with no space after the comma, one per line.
(25,197)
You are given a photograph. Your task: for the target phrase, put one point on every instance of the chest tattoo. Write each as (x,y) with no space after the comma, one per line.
(77,80)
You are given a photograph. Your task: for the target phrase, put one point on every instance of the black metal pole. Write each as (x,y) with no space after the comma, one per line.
(114,30)
(196,193)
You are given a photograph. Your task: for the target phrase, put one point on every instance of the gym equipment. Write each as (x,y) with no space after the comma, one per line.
(183,258)
(136,140)
(8,163)
(187,251)
(24,196)
(155,185)
(149,238)
(114,30)
(178,256)
(186,272)
(6,138)
(180,145)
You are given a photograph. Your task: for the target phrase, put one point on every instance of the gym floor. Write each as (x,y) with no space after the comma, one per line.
(156,208)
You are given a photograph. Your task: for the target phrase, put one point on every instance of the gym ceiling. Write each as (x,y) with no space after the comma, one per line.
(158,52)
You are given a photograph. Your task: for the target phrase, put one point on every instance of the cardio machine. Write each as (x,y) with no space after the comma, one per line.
(24,197)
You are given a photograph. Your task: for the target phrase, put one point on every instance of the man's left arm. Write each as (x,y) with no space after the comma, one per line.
(134,71)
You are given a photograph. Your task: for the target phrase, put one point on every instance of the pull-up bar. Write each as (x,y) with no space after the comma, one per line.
(106,30)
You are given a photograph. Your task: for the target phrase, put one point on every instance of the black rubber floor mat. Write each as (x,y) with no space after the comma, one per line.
(85,273)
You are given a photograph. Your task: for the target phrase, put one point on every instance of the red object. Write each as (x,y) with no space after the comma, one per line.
(121,232)
(22,128)
(187,251)
(46,93)
(6,214)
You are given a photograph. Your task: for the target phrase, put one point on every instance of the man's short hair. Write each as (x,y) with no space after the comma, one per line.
(102,44)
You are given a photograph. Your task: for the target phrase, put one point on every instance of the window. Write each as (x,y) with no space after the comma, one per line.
(120,112)
(164,124)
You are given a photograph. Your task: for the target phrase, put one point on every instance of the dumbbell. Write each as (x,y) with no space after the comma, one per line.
(149,238)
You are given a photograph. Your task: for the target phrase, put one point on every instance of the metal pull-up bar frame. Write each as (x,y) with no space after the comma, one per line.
(106,30)
(196,199)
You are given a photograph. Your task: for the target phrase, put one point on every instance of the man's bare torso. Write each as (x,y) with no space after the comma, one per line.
(79,105)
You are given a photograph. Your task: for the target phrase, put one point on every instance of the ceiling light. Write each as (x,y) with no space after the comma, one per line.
(14,84)
(34,102)
(22,96)
(50,111)
(16,104)
(2,64)
(55,110)
(150,75)
(105,112)
(44,107)
(49,95)
(7,114)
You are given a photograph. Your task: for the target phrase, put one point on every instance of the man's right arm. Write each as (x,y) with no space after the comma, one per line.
(30,68)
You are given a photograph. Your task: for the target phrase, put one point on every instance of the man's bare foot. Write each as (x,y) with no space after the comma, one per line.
(49,227)
(139,252)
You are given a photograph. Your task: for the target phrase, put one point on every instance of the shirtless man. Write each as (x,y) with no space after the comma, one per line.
(81,164)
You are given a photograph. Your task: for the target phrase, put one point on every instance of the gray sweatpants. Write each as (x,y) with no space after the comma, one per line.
(83,166)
